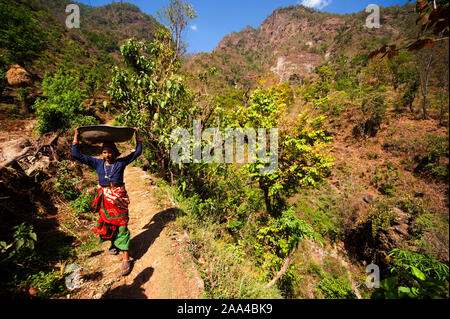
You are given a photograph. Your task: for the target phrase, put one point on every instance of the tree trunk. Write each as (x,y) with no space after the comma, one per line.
(265,190)
(411,107)
(425,63)
(424,107)
(280,273)
(425,92)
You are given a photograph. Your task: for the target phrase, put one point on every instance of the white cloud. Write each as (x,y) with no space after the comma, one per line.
(317,4)
(194,27)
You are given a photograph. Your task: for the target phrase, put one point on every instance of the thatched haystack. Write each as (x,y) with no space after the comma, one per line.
(18,76)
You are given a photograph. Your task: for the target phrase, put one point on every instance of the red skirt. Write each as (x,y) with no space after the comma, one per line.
(112,206)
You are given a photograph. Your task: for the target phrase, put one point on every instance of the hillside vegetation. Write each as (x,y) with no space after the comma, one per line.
(362,158)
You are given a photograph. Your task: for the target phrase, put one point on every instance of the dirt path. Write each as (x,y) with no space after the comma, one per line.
(162,268)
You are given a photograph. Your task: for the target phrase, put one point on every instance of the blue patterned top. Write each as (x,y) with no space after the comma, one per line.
(113,173)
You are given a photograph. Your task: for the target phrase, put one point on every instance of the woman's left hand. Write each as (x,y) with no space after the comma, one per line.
(138,138)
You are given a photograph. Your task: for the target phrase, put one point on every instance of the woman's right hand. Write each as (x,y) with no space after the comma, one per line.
(138,138)
(75,137)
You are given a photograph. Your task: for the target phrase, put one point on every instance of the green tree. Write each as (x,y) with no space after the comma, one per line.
(176,17)
(400,68)
(152,96)
(425,61)
(63,106)
(303,159)
(322,86)
(410,92)
(95,77)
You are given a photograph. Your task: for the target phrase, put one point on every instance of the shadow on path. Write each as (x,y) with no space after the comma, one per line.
(133,291)
(140,244)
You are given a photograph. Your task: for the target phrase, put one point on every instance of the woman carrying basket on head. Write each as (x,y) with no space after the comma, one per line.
(112,200)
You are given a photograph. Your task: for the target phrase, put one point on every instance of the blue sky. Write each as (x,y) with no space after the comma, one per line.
(219,18)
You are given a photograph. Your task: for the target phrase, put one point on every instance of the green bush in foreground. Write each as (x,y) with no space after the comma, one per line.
(415,276)
(63,107)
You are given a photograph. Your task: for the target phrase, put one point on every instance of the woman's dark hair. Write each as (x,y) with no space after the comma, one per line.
(112,147)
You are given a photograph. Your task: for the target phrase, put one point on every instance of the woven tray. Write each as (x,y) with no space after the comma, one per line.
(105,133)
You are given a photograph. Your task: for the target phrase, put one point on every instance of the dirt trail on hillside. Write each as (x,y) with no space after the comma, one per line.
(161,269)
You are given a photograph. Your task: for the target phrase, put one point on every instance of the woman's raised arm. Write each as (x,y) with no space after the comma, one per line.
(88,160)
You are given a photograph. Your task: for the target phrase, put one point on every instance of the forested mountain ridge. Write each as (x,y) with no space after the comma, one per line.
(102,31)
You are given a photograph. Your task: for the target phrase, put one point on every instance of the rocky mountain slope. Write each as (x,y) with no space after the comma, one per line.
(294,40)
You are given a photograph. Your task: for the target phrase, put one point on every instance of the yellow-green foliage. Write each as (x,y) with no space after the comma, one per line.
(303,159)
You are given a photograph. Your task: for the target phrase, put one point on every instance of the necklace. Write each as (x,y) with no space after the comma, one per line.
(106,173)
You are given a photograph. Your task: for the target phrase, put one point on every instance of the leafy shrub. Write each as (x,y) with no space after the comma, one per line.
(47,284)
(403,260)
(435,147)
(82,204)
(319,89)
(24,263)
(325,221)
(337,101)
(414,276)
(385,179)
(380,217)
(24,238)
(228,271)
(279,239)
(335,288)
(373,113)
(65,181)
(63,106)
(414,206)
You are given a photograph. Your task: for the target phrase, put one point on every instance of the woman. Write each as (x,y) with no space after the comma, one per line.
(112,200)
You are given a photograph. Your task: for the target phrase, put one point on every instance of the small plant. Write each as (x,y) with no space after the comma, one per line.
(22,95)
(82,204)
(414,206)
(414,276)
(48,284)
(385,179)
(436,147)
(335,288)
(421,287)
(24,239)
(65,182)
(404,260)
(277,241)
(3,81)
(380,217)
(371,155)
